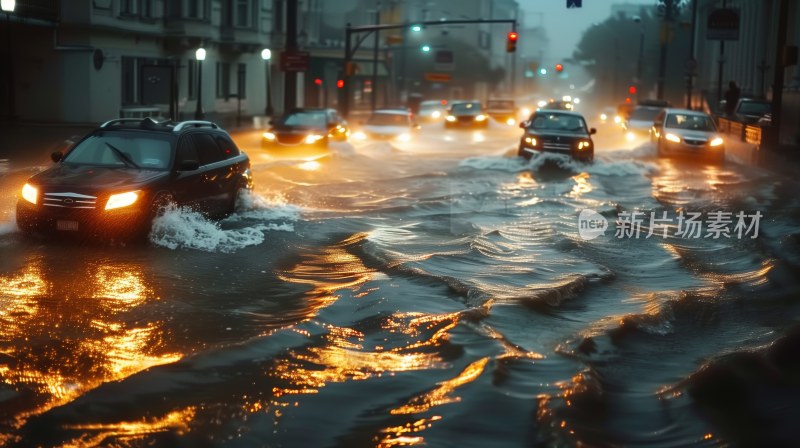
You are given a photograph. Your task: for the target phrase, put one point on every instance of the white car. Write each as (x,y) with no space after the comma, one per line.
(388,124)
(688,132)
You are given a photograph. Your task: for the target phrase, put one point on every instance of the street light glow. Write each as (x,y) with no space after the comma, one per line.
(426,48)
(200,54)
(542,71)
(416,28)
(266,54)
(8,5)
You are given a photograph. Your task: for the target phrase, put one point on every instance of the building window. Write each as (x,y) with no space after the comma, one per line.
(129,81)
(191,81)
(142,8)
(195,9)
(223,80)
(243,8)
(126,7)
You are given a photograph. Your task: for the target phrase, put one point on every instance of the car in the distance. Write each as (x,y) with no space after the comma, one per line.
(432,110)
(503,110)
(688,132)
(388,124)
(120,176)
(557,131)
(640,121)
(468,114)
(305,128)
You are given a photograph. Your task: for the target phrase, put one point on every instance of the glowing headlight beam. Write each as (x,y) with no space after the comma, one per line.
(30,193)
(122,200)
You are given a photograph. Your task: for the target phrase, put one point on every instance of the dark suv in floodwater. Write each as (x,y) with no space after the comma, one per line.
(558,132)
(115,180)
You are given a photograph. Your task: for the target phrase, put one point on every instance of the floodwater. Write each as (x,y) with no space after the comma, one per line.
(435,293)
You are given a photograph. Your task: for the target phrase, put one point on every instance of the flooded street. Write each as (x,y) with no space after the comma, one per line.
(436,292)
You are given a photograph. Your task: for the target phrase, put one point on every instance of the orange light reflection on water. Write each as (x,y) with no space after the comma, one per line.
(69,331)
(176,421)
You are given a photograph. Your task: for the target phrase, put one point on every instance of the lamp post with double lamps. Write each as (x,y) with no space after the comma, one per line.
(200,55)
(8,7)
(266,55)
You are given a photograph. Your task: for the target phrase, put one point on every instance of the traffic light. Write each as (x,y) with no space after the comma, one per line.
(632,90)
(559,68)
(511,42)
(318,81)
(340,83)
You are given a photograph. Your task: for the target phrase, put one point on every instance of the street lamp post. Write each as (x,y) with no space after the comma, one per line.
(8,7)
(266,55)
(200,55)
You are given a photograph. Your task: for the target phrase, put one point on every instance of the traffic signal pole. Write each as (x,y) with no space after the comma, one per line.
(350,48)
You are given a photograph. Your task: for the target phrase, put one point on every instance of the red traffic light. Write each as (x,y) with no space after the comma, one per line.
(340,83)
(511,42)
(632,90)
(559,68)
(318,82)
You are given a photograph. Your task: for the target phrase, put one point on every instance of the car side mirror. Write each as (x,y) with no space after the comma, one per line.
(592,131)
(189,165)
(57,156)
(523,124)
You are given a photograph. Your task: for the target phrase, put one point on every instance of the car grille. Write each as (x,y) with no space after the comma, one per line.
(291,139)
(694,142)
(69,200)
(466,118)
(556,145)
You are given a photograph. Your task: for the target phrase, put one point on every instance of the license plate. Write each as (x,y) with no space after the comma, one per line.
(69,226)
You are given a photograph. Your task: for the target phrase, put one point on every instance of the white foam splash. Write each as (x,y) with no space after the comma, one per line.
(8,227)
(188,229)
(601,166)
(495,163)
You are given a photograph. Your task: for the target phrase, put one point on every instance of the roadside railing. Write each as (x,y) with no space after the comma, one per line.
(743,132)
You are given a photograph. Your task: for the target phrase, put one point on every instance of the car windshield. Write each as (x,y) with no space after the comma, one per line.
(123,149)
(500,104)
(645,113)
(693,122)
(558,122)
(389,120)
(754,107)
(466,108)
(306,119)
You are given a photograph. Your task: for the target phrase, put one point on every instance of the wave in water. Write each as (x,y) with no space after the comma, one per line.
(600,167)
(188,229)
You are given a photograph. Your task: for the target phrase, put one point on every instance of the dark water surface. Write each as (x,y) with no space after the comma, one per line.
(435,293)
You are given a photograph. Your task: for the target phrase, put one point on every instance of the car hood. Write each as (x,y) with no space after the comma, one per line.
(692,134)
(377,129)
(556,133)
(298,129)
(94,178)
(640,124)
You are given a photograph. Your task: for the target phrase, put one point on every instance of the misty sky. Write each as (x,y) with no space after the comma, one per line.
(565,26)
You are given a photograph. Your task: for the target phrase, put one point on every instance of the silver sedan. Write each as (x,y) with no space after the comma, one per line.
(687,132)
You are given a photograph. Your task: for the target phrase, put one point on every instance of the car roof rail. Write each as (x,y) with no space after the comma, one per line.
(195,124)
(119,121)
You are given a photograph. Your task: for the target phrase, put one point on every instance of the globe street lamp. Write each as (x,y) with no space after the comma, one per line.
(266,55)
(200,55)
(8,7)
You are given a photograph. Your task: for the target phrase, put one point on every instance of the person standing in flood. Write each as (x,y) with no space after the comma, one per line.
(732,98)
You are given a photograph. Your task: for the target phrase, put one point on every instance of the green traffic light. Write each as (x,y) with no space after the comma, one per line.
(416,28)
(426,48)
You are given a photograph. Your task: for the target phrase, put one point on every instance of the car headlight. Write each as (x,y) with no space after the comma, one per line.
(404,137)
(584,144)
(360,135)
(480,117)
(617,119)
(313,138)
(450,118)
(525,112)
(630,136)
(269,136)
(542,103)
(436,114)
(511,122)
(122,200)
(603,117)
(30,193)
(530,140)
(716,141)
(672,137)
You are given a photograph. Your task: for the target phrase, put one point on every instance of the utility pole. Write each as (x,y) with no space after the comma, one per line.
(377,41)
(290,77)
(778,78)
(692,65)
(668,10)
(721,63)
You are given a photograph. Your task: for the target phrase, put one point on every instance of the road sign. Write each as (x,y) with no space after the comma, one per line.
(723,24)
(438,77)
(296,61)
(444,60)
